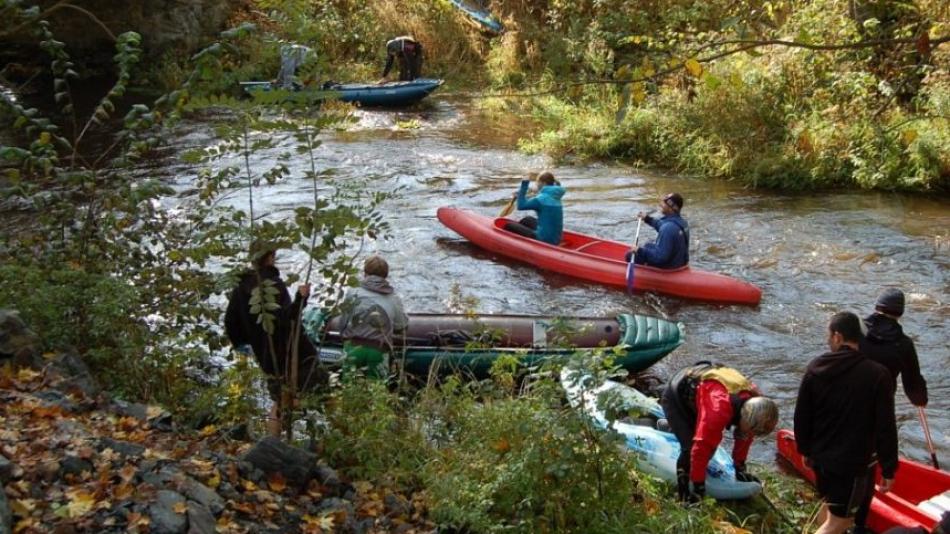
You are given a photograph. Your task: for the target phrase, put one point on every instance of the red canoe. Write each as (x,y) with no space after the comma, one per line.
(598,260)
(918,498)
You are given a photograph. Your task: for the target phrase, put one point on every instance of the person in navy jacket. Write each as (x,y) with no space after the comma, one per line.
(670,250)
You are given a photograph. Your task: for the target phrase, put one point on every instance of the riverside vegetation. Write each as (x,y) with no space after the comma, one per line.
(95,263)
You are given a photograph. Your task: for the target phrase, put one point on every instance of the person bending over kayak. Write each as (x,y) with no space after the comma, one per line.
(408,52)
(844,416)
(272,351)
(700,403)
(671,248)
(549,224)
(372,315)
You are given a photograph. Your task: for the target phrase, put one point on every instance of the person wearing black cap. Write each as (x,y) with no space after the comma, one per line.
(670,250)
(887,344)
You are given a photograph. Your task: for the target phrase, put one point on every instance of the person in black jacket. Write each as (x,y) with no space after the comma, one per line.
(886,344)
(408,52)
(843,417)
(272,352)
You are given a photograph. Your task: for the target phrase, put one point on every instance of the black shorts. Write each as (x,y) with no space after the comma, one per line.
(844,493)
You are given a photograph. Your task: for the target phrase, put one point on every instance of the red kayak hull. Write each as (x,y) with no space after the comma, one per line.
(913,483)
(597,260)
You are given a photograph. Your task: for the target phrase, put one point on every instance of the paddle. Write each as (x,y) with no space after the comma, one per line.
(930,443)
(630,268)
(510,207)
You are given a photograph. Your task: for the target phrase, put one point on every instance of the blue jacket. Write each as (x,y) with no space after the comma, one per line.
(550,213)
(671,248)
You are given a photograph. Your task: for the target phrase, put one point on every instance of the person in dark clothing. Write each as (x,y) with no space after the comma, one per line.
(843,417)
(700,403)
(272,352)
(670,250)
(408,52)
(549,224)
(886,344)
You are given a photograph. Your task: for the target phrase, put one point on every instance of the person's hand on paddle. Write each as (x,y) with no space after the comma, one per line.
(304,290)
(641,215)
(886,484)
(381,81)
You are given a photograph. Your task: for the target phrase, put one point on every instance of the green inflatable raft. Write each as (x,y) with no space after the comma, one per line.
(470,344)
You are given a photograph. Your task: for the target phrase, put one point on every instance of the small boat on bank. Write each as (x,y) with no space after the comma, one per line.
(597,260)
(471,343)
(657,450)
(478,16)
(390,94)
(919,496)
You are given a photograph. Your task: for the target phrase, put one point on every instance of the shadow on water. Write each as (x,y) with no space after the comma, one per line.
(812,254)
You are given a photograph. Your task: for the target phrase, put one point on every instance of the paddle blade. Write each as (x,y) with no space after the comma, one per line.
(630,270)
(508,208)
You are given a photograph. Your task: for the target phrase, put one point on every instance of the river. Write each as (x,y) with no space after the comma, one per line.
(812,254)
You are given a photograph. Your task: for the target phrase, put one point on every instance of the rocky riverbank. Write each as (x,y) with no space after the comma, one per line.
(73,459)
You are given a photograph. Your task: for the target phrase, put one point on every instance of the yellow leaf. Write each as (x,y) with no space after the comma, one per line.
(248,485)
(728,528)
(45,138)
(208,430)
(180,507)
(908,136)
(693,67)
(23,525)
(26,374)
(638,93)
(214,481)
(153,411)
(22,507)
(622,73)
(80,503)
(646,68)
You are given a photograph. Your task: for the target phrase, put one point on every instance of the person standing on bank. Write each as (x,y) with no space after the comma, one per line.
(408,53)
(670,250)
(548,226)
(372,315)
(844,416)
(700,403)
(886,344)
(272,351)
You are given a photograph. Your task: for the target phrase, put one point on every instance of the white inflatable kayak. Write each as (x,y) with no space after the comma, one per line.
(656,450)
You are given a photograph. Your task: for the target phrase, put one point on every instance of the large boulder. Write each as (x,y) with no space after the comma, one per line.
(17,341)
(271,455)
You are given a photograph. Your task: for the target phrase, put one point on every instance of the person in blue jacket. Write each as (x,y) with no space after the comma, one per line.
(671,248)
(549,224)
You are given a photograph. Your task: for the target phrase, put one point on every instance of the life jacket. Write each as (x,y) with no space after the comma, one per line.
(686,382)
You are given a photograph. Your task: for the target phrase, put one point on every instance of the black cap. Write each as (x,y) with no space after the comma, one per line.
(891,302)
(674,200)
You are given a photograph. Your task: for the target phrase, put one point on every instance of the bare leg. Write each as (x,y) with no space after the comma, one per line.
(832,524)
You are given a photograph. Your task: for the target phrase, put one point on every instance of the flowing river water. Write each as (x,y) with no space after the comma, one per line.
(812,254)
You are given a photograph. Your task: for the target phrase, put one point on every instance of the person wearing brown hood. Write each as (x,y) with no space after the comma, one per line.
(844,416)
(886,343)
(372,315)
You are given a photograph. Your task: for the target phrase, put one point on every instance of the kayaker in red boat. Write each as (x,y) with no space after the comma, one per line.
(670,250)
(272,351)
(887,344)
(372,314)
(700,403)
(844,416)
(549,224)
(408,52)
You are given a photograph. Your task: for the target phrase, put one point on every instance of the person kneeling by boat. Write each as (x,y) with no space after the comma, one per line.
(549,224)
(272,350)
(408,52)
(844,424)
(700,403)
(671,248)
(372,314)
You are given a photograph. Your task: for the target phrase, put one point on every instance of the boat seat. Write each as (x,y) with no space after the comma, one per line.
(585,245)
(937,505)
